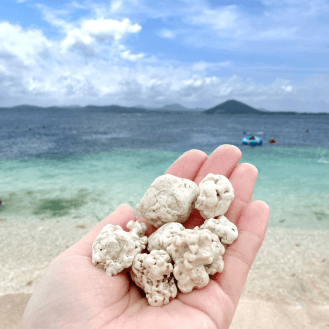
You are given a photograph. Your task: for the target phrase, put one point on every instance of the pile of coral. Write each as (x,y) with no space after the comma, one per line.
(173,256)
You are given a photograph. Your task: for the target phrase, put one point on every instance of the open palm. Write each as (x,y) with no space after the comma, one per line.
(75,294)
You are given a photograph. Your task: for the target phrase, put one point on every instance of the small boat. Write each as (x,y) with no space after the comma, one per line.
(252,140)
(272,141)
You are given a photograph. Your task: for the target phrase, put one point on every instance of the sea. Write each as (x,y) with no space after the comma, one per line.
(71,163)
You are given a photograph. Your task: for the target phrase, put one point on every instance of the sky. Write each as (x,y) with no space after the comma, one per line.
(269,54)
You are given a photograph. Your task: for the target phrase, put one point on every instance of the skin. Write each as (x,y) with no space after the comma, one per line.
(74,294)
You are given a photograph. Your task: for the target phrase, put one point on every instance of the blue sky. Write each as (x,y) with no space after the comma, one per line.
(271,54)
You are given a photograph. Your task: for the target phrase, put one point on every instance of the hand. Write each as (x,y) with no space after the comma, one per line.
(74,294)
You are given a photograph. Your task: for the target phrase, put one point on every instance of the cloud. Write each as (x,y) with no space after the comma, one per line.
(91,61)
(93,32)
(167,34)
(61,80)
(28,47)
(223,18)
(64,80)
(126,55)
(57,18)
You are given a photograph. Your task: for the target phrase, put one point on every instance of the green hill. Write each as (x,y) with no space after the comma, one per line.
(232,107)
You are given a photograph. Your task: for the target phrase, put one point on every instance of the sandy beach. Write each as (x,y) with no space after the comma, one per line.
(287,287)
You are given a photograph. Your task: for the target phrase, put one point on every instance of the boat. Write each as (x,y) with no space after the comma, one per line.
(252,140)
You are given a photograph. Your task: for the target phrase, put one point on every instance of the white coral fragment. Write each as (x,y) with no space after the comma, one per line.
(114,249)
(163,236)
(196,254)
(192,249)
(223,228)
(169,199)
(153,273)
(216,195)
(189,278)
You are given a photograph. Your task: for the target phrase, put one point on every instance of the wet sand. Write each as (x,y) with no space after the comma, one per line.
(287,287)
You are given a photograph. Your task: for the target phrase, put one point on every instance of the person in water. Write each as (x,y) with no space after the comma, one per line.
(73,293)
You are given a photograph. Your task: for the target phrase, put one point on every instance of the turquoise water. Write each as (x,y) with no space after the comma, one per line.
(294,181)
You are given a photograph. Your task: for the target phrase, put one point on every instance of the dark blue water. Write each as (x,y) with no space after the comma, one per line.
(22,133)
(73,164)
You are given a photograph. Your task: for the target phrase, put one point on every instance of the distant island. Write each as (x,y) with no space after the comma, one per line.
(230,107)
(234,107)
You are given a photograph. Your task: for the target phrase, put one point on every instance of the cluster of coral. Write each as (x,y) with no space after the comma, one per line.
(178,257)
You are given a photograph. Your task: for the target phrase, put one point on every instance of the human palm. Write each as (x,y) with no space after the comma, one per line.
(75,294)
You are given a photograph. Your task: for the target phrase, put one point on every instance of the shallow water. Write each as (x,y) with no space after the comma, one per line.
(71,164)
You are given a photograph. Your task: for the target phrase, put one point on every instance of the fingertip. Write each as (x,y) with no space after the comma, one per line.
(127,209)
(230,149)
(251,167)
(196,152)
(221,161)
(260,206)
(188,164)
(255,218)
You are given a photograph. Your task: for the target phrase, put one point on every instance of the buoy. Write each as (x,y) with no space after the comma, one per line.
(272,141)
(252,140)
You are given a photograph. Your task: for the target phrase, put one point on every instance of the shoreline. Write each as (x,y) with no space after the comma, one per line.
(287,286)
(291,264)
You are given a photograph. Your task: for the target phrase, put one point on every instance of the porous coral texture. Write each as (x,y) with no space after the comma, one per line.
(169,199)
(153,273)
(163,236)
(189,278)
(223,228)
(114,249)
(197,254)
(216,195)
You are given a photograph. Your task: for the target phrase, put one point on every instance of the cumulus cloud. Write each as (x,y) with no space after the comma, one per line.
(26,46)
(62,80)
(91,61)
(93,32)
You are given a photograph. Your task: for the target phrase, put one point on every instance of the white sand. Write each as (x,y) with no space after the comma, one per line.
(289,278)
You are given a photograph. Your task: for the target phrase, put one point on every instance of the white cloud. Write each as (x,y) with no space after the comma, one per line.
(92,32)
(166,34)
(37,70)
(287,88)
(65,80)
(26,46)
(57,18)
(126,55)
(116,5)
(220,19)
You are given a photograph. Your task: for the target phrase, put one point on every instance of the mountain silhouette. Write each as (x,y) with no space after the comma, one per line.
(232,107)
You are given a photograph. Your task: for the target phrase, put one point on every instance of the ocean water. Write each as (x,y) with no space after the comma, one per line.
(77,164)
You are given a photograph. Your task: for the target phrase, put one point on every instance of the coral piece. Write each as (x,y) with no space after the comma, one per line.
(114,249)
(163,236)
(189,278)
(153,273)
(223,228)
(169,199)
(196,253)
(216,195)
